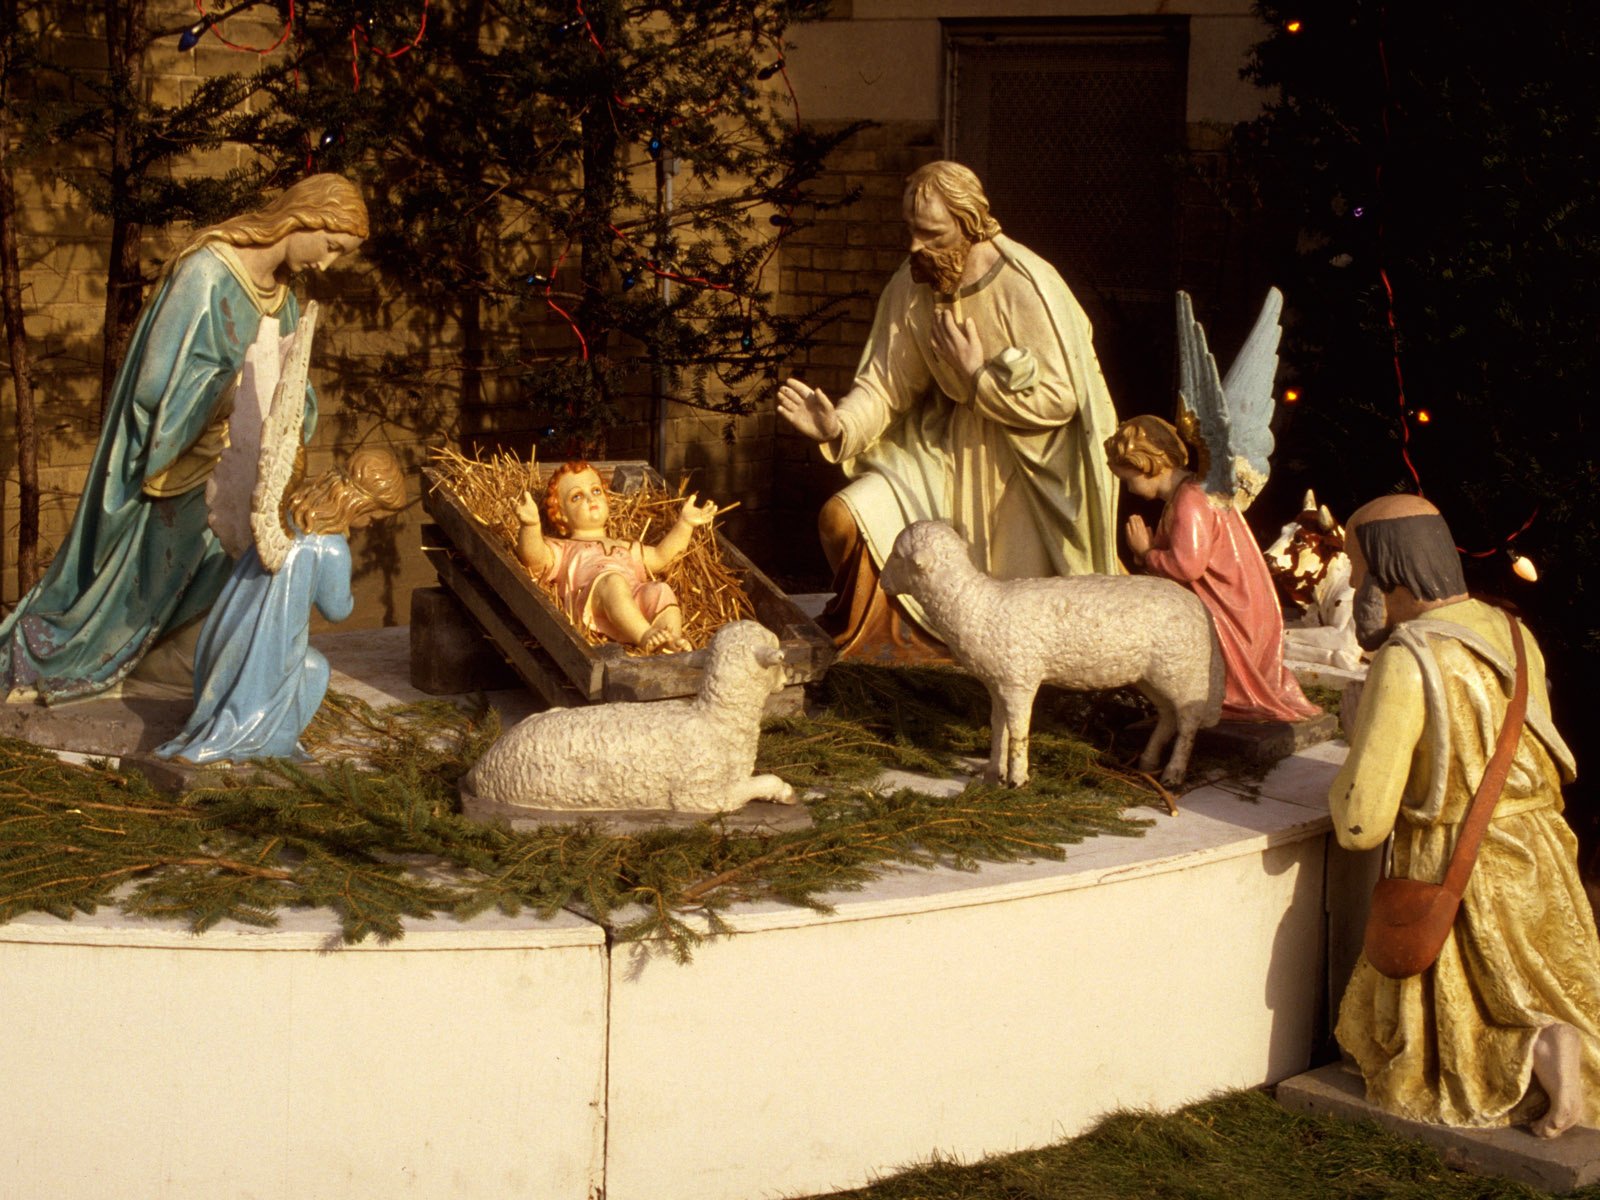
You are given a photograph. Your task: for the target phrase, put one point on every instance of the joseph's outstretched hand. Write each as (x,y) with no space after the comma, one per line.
(808,410)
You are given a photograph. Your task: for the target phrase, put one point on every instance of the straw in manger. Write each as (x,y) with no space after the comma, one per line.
(709,592)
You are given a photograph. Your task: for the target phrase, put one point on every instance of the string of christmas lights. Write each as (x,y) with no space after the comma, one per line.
(549,287)
(1383,274)
(212,23)
(1521,565)
(656,146)
(404,48)
(588,28)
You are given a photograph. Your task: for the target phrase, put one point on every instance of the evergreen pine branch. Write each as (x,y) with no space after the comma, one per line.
(376,837)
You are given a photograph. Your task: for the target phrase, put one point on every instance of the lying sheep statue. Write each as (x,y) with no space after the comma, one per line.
(1084,632)
(693,756)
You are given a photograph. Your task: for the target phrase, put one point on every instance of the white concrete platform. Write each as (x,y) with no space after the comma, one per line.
(979,1013)
(142,1061)
(962,1012)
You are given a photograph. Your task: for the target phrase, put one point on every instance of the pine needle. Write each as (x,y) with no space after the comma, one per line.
(710,593)
(376,835)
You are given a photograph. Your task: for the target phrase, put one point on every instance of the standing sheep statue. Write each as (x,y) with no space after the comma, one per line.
(694,756)
(1083,632)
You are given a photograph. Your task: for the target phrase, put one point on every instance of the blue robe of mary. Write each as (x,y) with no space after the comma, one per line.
(140,560)
(257,679)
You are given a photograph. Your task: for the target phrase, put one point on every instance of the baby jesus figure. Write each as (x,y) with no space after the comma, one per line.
(606,585)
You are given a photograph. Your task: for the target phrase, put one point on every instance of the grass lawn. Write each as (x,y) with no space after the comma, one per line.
(1235,1146)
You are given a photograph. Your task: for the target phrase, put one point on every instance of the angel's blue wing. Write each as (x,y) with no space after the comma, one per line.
(1230,419)
(1250,403)
(1202,404)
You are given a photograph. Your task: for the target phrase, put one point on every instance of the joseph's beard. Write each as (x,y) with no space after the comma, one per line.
(1371,616)
(941,269)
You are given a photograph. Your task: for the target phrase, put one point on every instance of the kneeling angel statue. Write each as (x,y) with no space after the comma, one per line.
(257,679)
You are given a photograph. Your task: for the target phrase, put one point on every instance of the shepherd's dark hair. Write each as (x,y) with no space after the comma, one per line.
(1416,553)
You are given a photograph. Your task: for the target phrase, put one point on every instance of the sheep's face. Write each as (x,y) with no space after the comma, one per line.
(922,551)
(740,641)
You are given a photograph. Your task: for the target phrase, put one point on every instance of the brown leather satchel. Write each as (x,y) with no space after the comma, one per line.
(1410,919)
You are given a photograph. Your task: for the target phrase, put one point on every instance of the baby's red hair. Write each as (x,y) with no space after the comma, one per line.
(552,499)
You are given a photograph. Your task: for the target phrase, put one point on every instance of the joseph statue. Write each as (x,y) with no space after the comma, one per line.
(978,401)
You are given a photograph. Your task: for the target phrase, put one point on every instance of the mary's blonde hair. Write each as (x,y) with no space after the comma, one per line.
(1147,445)
(371,481)
(962,193)
(323,201)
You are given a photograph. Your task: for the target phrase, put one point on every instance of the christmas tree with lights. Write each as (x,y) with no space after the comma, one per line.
(1442,177)
(594,194)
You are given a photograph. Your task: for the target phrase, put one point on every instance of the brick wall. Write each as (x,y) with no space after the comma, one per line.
(777,477)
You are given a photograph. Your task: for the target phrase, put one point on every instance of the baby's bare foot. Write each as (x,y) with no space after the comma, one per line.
(658,637)
(666,633)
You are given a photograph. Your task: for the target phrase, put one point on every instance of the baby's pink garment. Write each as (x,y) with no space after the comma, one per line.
(576,566)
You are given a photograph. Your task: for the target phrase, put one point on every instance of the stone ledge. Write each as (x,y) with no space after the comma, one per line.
(1559,1165)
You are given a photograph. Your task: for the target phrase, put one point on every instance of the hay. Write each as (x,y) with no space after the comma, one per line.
(709,591)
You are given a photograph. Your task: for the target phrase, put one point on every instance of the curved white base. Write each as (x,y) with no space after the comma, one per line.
(966,1013)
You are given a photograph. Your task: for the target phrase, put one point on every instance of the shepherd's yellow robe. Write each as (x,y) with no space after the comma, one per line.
(1454,1045)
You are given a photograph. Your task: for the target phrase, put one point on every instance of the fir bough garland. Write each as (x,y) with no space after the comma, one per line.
(375,835)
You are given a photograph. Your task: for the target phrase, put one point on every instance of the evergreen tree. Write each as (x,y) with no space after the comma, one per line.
(19,38)
(1456,161)
(611,181)
(133,141)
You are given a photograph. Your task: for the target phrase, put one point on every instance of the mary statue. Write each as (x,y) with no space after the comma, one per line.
(139,563)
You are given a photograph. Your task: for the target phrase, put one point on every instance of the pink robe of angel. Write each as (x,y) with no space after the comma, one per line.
(577,565)
(1211,551)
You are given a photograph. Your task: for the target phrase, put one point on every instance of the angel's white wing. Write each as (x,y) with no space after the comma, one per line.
(280,442)
(1250,402)
(233,479)
(1232,418)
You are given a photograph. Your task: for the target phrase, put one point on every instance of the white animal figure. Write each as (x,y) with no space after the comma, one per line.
(692,756)
(1312,572)
(1083,632)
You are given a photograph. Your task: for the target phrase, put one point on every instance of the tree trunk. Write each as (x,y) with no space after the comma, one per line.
(124,282)
(17,345)
(598,204)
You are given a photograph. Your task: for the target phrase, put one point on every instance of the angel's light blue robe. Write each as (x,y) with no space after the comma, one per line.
(136,566)
(257,679)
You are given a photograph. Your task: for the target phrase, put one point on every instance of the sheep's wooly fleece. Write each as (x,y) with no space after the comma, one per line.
(694,756)
(1085,632)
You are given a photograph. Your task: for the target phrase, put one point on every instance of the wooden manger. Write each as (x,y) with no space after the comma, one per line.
(476,564)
